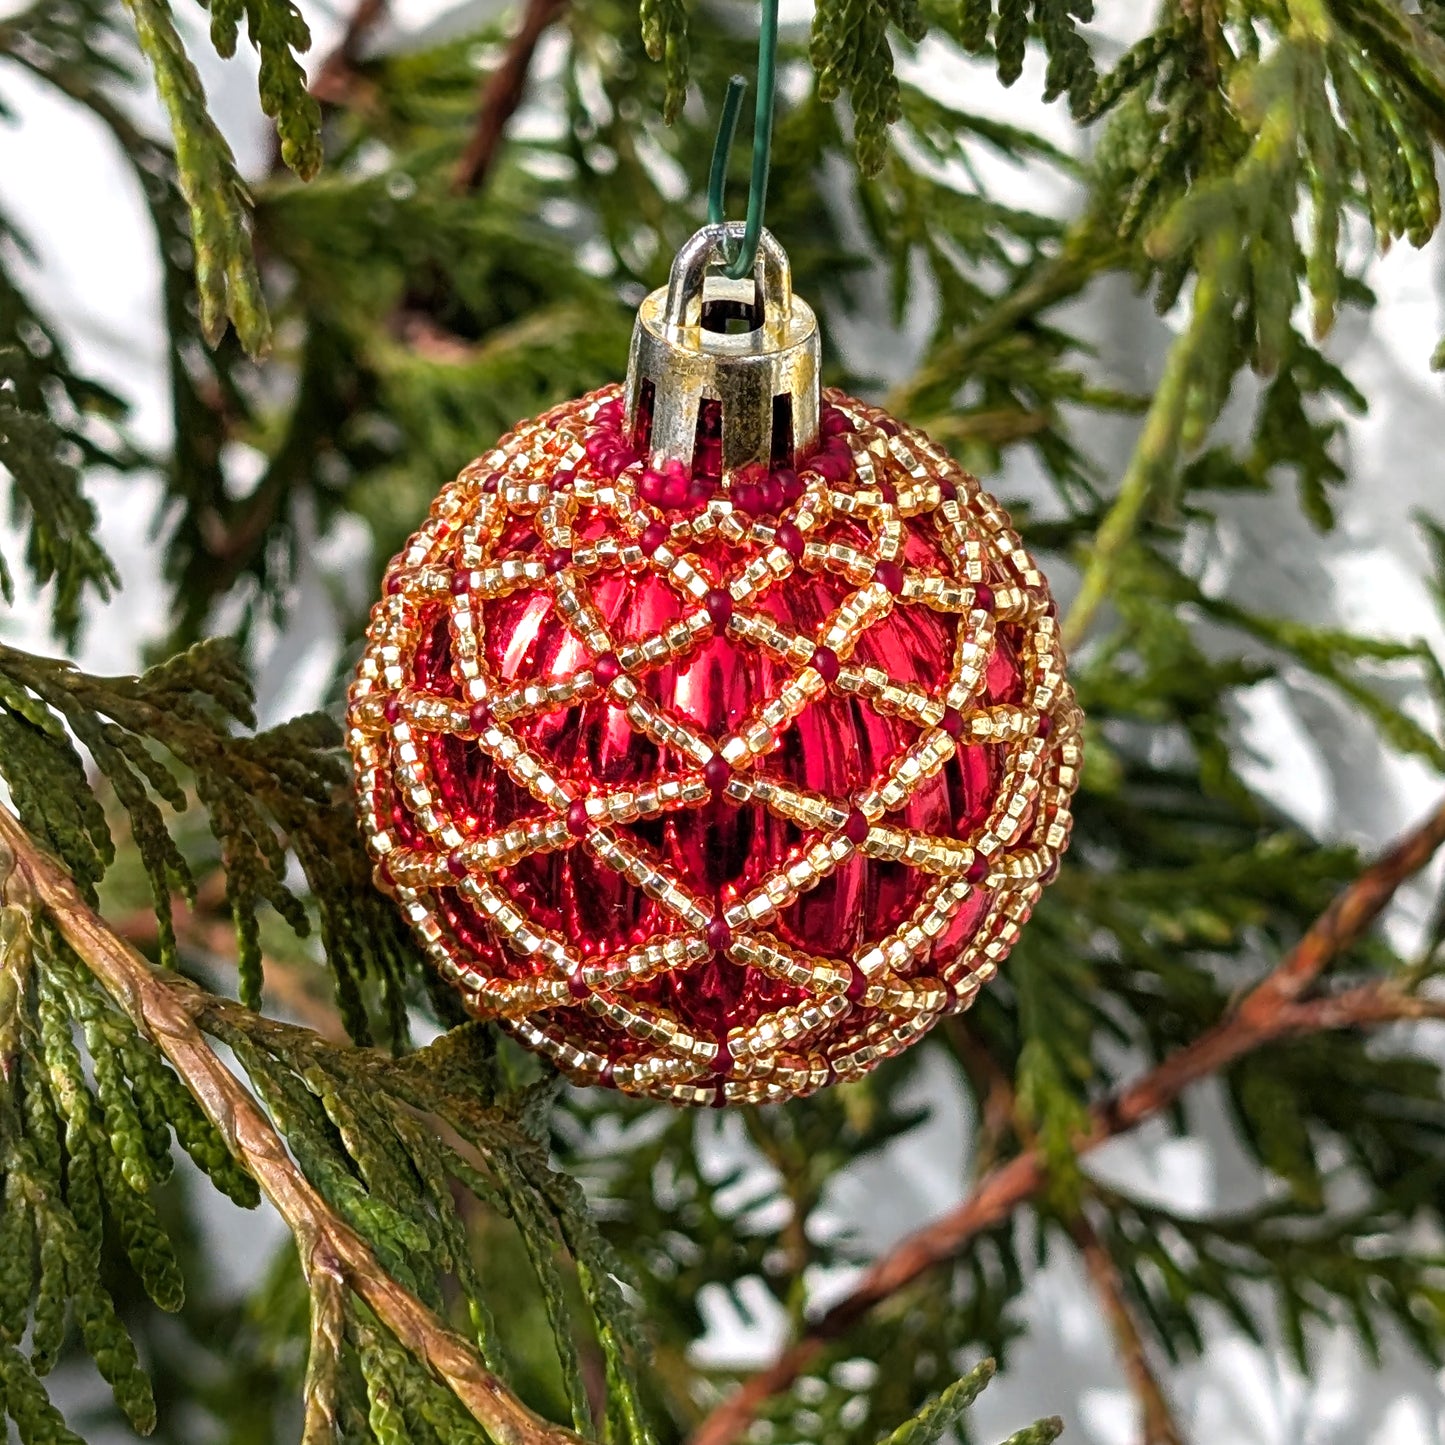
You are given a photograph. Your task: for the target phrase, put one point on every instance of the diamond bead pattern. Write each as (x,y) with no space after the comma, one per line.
(643,865)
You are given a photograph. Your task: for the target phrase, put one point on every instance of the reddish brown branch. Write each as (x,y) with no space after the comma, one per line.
(1273,1010)
(163,1007)
(201,927)
(1001,1117)
(502,93)
(1157,1423)
(335,82)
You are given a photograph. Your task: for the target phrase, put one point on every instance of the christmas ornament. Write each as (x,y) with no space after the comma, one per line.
(713,734)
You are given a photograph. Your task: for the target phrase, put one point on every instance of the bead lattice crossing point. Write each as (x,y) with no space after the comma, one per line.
(711,803)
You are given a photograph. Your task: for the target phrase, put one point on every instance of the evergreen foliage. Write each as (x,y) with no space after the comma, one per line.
(1243,159)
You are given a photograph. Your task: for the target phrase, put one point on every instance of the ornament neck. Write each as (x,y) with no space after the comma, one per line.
(723,377)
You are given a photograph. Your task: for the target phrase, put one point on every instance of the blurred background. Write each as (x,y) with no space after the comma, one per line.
(95,271)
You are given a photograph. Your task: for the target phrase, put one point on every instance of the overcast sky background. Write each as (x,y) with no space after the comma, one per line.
(99,277)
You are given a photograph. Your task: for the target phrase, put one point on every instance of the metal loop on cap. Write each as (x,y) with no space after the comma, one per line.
(772,276)
(706,397)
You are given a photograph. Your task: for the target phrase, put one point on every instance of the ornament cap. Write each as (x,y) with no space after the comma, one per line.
(723,376)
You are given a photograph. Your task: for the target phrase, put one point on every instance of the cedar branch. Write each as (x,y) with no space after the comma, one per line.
(1001,1115)
(502,93)
(200,928)
(164,1007)
(1274,1009)
(1157,1423)
(336,80)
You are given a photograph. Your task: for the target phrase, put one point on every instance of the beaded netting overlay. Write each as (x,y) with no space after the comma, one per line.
(715,793)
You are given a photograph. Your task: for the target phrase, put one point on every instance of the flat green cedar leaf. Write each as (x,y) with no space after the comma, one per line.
(226,279)
(147,1245)
(17,1254)
(279,32)
(62,549)
(115,1356)
(37,1421)
(938,1417)
(1041,1432)
(664,34)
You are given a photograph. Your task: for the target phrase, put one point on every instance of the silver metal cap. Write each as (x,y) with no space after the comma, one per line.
(723,374)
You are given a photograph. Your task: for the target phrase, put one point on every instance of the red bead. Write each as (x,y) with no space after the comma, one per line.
(717,772)
(857,984)
(719,935)
(1045,725)
(654,534)
(457,865)
(651,487)
(577,985)
(392,710)
(599,444)
(607,669)
(748,497)
(890,574)
(1049,873)
(461,583)
(831,466)
(790,485)
(978,870)
(834,423)
(947,490)
(770,492)
(825,663)
(719,604)
(790,539)
(674,492)
(578,823)
(393,583)
(983,597)
(557,560)
(699,492)
(952,722)
(855,830)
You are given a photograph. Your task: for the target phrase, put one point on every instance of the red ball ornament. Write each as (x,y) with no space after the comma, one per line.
(721,818)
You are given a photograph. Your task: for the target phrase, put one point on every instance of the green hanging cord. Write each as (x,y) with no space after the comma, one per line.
(742,264)
(727,128)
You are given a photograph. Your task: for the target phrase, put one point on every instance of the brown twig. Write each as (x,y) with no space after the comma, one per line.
(998,1112)
(502,93)
(334,83)
(198,928)
(1158,1426)
(785,1156)
(1273,1010)
(1002,1117)
(163,1007)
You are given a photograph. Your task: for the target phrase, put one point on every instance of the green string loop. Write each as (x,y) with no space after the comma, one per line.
(741,264)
